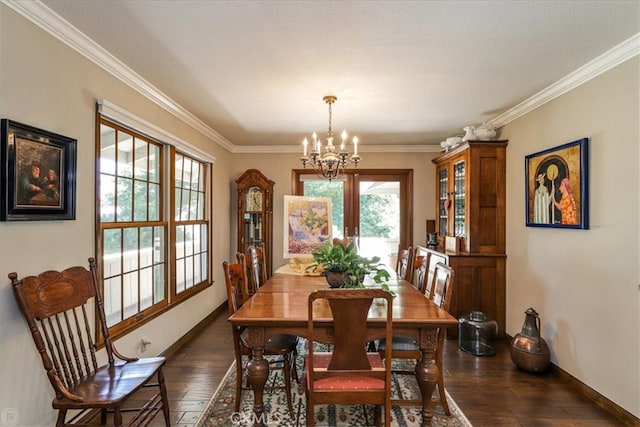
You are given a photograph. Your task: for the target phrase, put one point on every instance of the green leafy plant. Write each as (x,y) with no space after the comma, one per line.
(353,267)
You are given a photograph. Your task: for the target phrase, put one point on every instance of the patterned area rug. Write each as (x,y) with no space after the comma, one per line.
(221,408)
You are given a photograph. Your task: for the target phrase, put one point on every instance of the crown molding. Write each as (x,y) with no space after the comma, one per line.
(613,57)
(54,24)
(58,27)
(275,149)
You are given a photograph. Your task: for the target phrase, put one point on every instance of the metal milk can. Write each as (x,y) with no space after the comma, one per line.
(529,351)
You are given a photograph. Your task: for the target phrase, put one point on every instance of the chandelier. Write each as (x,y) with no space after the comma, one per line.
(327,162)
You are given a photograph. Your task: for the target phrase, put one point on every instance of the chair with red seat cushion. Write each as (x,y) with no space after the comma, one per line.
(348,374)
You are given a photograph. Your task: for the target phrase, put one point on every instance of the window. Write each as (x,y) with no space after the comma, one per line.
(191,228)
(149,260)
(373,205)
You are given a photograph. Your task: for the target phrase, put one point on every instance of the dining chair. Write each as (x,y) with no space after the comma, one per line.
(405,347)
(59,308)
(279,345)
(257,268)
(419,270)
(403,262)
(348,374)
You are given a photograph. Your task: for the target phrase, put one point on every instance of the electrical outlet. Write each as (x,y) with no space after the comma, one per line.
(144,343)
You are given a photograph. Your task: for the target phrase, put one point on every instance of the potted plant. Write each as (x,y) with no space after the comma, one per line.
(344,268)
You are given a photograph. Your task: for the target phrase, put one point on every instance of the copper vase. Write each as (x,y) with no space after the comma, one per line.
(529,351)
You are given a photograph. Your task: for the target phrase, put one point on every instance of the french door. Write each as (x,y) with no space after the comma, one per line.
(373,206)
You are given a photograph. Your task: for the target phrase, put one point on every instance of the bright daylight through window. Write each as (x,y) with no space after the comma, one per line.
(148,259)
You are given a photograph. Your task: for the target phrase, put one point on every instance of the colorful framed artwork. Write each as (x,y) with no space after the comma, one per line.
(556,188)
(39,174)
(307,224)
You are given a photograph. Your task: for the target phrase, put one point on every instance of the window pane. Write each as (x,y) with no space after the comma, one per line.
(188,240)
(178,203)
(141,157)
(196,235)
(200,214)
(180,241)
(158,245)
(158,276)
(203,267)
(193,209)
(107,150)
(180,277)
(130,289)
(146,247)
(124,199)
(154,163)
(197,270)
(154,202)
(125,154)
(146,288)
(188,272)
(112,301)
(130,254)
(107,198)
(112,249)
(140,201)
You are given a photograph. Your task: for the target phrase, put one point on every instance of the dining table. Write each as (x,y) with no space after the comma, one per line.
(280,306)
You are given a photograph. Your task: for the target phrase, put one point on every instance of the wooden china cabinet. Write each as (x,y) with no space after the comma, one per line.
(470,200)
(255,213)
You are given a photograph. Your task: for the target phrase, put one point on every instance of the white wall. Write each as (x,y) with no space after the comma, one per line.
(584,283)
(47,85)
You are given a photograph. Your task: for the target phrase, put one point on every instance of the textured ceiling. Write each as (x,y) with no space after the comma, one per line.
(404,72)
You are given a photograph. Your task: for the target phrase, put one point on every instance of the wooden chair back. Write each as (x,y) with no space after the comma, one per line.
(257,268)
(62,310)
(349,334)
(434,259)
(443,286)
(235,276)
(403,263)
(419,271)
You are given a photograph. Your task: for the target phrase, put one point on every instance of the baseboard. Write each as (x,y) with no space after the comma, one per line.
(624,416)
(173,348)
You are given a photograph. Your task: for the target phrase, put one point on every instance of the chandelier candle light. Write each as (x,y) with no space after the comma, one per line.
(329,164)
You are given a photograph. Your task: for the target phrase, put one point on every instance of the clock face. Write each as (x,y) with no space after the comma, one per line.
(254,199)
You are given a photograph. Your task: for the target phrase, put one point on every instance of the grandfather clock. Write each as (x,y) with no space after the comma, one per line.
(255,213)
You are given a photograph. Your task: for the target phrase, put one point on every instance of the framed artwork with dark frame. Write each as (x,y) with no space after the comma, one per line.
(38,174)
(556,188)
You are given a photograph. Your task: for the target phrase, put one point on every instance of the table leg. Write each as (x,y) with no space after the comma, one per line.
(427,373)
(257,374)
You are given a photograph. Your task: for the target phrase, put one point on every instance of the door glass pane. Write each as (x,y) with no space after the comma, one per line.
(334,191)
(379,228)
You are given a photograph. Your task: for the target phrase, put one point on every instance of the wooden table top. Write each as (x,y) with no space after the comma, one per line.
(282,301)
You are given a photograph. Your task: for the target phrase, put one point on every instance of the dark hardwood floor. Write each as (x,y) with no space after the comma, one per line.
(491,391)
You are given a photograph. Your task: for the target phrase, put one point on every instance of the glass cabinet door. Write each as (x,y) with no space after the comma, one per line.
(443,201)
(459,198)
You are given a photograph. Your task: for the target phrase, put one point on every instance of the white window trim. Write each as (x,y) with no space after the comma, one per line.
(125,118)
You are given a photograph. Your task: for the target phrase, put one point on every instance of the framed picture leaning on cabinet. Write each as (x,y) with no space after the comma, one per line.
(307,224)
